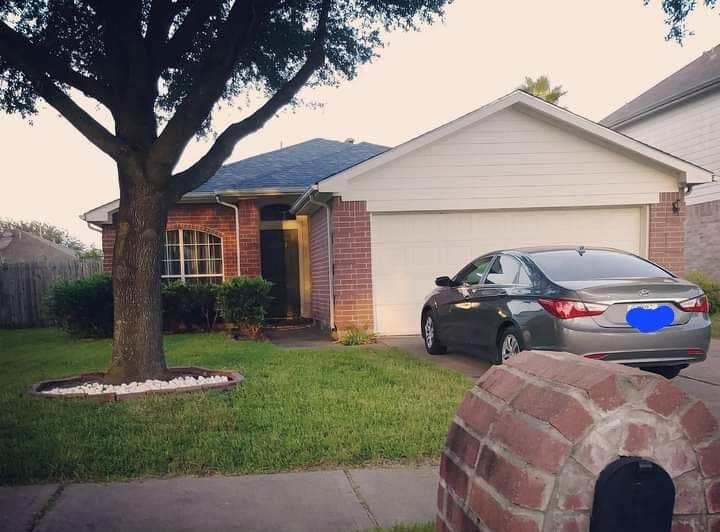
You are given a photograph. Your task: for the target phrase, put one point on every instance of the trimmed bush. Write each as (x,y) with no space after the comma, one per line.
(244,302)
(709,285)
(83,307)
(189,307)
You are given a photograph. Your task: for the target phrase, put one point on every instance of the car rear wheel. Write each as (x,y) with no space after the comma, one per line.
(669,372)
(509,343)
(430,335)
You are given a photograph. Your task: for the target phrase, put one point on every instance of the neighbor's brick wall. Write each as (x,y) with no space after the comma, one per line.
(218,220)
(702,238)
(666,244)
(530,440)
(320,293)
(351,260)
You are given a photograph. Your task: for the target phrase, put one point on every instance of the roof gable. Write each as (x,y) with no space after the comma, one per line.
(683,170)
(698,76)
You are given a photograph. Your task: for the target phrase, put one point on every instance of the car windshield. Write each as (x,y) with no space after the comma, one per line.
(573,265)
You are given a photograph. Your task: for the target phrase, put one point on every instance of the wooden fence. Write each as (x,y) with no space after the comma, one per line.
(24,287)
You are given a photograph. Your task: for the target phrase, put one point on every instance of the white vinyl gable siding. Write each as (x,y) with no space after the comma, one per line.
(690,130)
(509,159)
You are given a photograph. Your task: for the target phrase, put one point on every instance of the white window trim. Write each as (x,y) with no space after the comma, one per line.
(181,253)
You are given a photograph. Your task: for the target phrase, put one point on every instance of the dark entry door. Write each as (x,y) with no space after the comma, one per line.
(279,252)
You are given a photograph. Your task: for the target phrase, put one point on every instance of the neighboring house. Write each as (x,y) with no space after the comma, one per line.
(681,115)
(20,246)
(375,227)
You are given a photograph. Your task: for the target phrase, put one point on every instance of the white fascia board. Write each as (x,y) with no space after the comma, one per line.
(687,173)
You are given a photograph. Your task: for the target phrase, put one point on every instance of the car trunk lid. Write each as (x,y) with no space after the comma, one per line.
(622,295)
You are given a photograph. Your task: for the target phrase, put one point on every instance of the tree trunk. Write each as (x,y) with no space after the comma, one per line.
(138,353)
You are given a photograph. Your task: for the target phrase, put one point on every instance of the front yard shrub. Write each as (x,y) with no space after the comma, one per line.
(710,285)
(355,335)
(244,302)
(189,307)
(83,307)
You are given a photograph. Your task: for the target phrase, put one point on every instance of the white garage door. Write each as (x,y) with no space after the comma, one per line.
(410,250)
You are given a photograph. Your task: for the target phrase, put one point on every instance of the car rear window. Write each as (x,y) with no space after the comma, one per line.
(572,265)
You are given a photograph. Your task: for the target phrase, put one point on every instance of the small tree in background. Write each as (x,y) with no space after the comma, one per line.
(541,88)
(160,67)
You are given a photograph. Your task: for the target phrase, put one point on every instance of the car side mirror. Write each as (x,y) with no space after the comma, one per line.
(443,281)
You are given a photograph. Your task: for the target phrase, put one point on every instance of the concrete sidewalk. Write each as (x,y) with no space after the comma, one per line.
(355,499)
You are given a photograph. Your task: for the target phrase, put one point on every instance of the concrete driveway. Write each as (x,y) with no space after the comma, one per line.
(699,380)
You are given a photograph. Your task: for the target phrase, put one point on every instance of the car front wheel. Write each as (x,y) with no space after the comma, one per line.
(430,336)
(509,343)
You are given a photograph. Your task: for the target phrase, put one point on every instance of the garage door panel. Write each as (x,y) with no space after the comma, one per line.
(409,250)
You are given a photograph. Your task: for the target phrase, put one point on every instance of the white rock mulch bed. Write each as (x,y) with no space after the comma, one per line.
(96,388)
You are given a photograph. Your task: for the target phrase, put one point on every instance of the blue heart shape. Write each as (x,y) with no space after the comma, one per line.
(649,320)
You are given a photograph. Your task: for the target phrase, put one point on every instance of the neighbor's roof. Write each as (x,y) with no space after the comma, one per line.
(290,169)
(701,75)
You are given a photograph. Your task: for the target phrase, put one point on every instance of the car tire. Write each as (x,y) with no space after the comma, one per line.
(430,335)
(509,343)
(669,372)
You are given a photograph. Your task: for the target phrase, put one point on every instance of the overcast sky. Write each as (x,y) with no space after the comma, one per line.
(604,52)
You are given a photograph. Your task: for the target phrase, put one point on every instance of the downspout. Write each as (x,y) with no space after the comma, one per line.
(237,230)
(331,289)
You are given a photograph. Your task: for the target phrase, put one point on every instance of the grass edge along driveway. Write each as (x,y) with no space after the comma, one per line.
(297,409)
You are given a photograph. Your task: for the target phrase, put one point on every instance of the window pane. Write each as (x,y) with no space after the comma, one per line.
(189,252)
(172,267)
(172,252)
(474,272)
(214,239)
(189,237)
(171,237)
(215,266)
(570,265)
(203,253)
(503,271)
(216,251)
(191,267)
(202,238)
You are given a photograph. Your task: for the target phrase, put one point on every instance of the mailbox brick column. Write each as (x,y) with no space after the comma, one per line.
(530,440)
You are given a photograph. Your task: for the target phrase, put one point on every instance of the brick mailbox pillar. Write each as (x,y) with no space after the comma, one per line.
(530,440)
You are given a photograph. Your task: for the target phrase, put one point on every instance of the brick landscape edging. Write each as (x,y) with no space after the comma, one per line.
(529,441)
(234,378)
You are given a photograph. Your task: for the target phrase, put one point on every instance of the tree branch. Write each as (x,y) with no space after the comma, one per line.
(183,38)
(16,48)
(203,169)
(209,84)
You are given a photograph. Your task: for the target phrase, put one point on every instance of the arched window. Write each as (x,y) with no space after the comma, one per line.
(192,256)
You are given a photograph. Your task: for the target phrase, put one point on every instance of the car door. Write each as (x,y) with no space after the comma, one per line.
(452,303)
(487,303)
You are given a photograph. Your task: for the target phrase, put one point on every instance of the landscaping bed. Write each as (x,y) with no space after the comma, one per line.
(296,409)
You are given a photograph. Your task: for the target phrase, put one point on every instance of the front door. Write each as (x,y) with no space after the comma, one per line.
(279,257)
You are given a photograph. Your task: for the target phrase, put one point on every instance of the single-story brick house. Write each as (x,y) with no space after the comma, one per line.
(681,115)
(356,233)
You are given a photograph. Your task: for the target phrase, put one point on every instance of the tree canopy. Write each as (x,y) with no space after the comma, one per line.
(541,88)
(50,232)
(676,12)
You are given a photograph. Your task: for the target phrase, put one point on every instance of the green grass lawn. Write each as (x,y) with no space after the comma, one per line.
(296,409)
(715,324)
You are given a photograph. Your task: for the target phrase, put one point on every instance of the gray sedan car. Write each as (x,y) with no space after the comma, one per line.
(599,303)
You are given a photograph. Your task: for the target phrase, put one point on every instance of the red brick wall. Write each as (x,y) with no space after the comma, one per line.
(218,220)
(666,244)
(351,260)
(530,440)
(320,293)
(702,238)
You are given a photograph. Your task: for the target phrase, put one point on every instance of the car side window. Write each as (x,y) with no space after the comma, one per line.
(503,271)
(523,278)
(474,272)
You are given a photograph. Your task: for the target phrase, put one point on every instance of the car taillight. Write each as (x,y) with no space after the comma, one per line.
(697,304)
(566,309)
(596,356)
(693,352)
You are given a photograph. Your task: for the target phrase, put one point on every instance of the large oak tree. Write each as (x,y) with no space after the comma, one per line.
(160,67)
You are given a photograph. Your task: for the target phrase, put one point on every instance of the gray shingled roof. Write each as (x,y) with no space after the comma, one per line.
(295,167)
(701,74)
